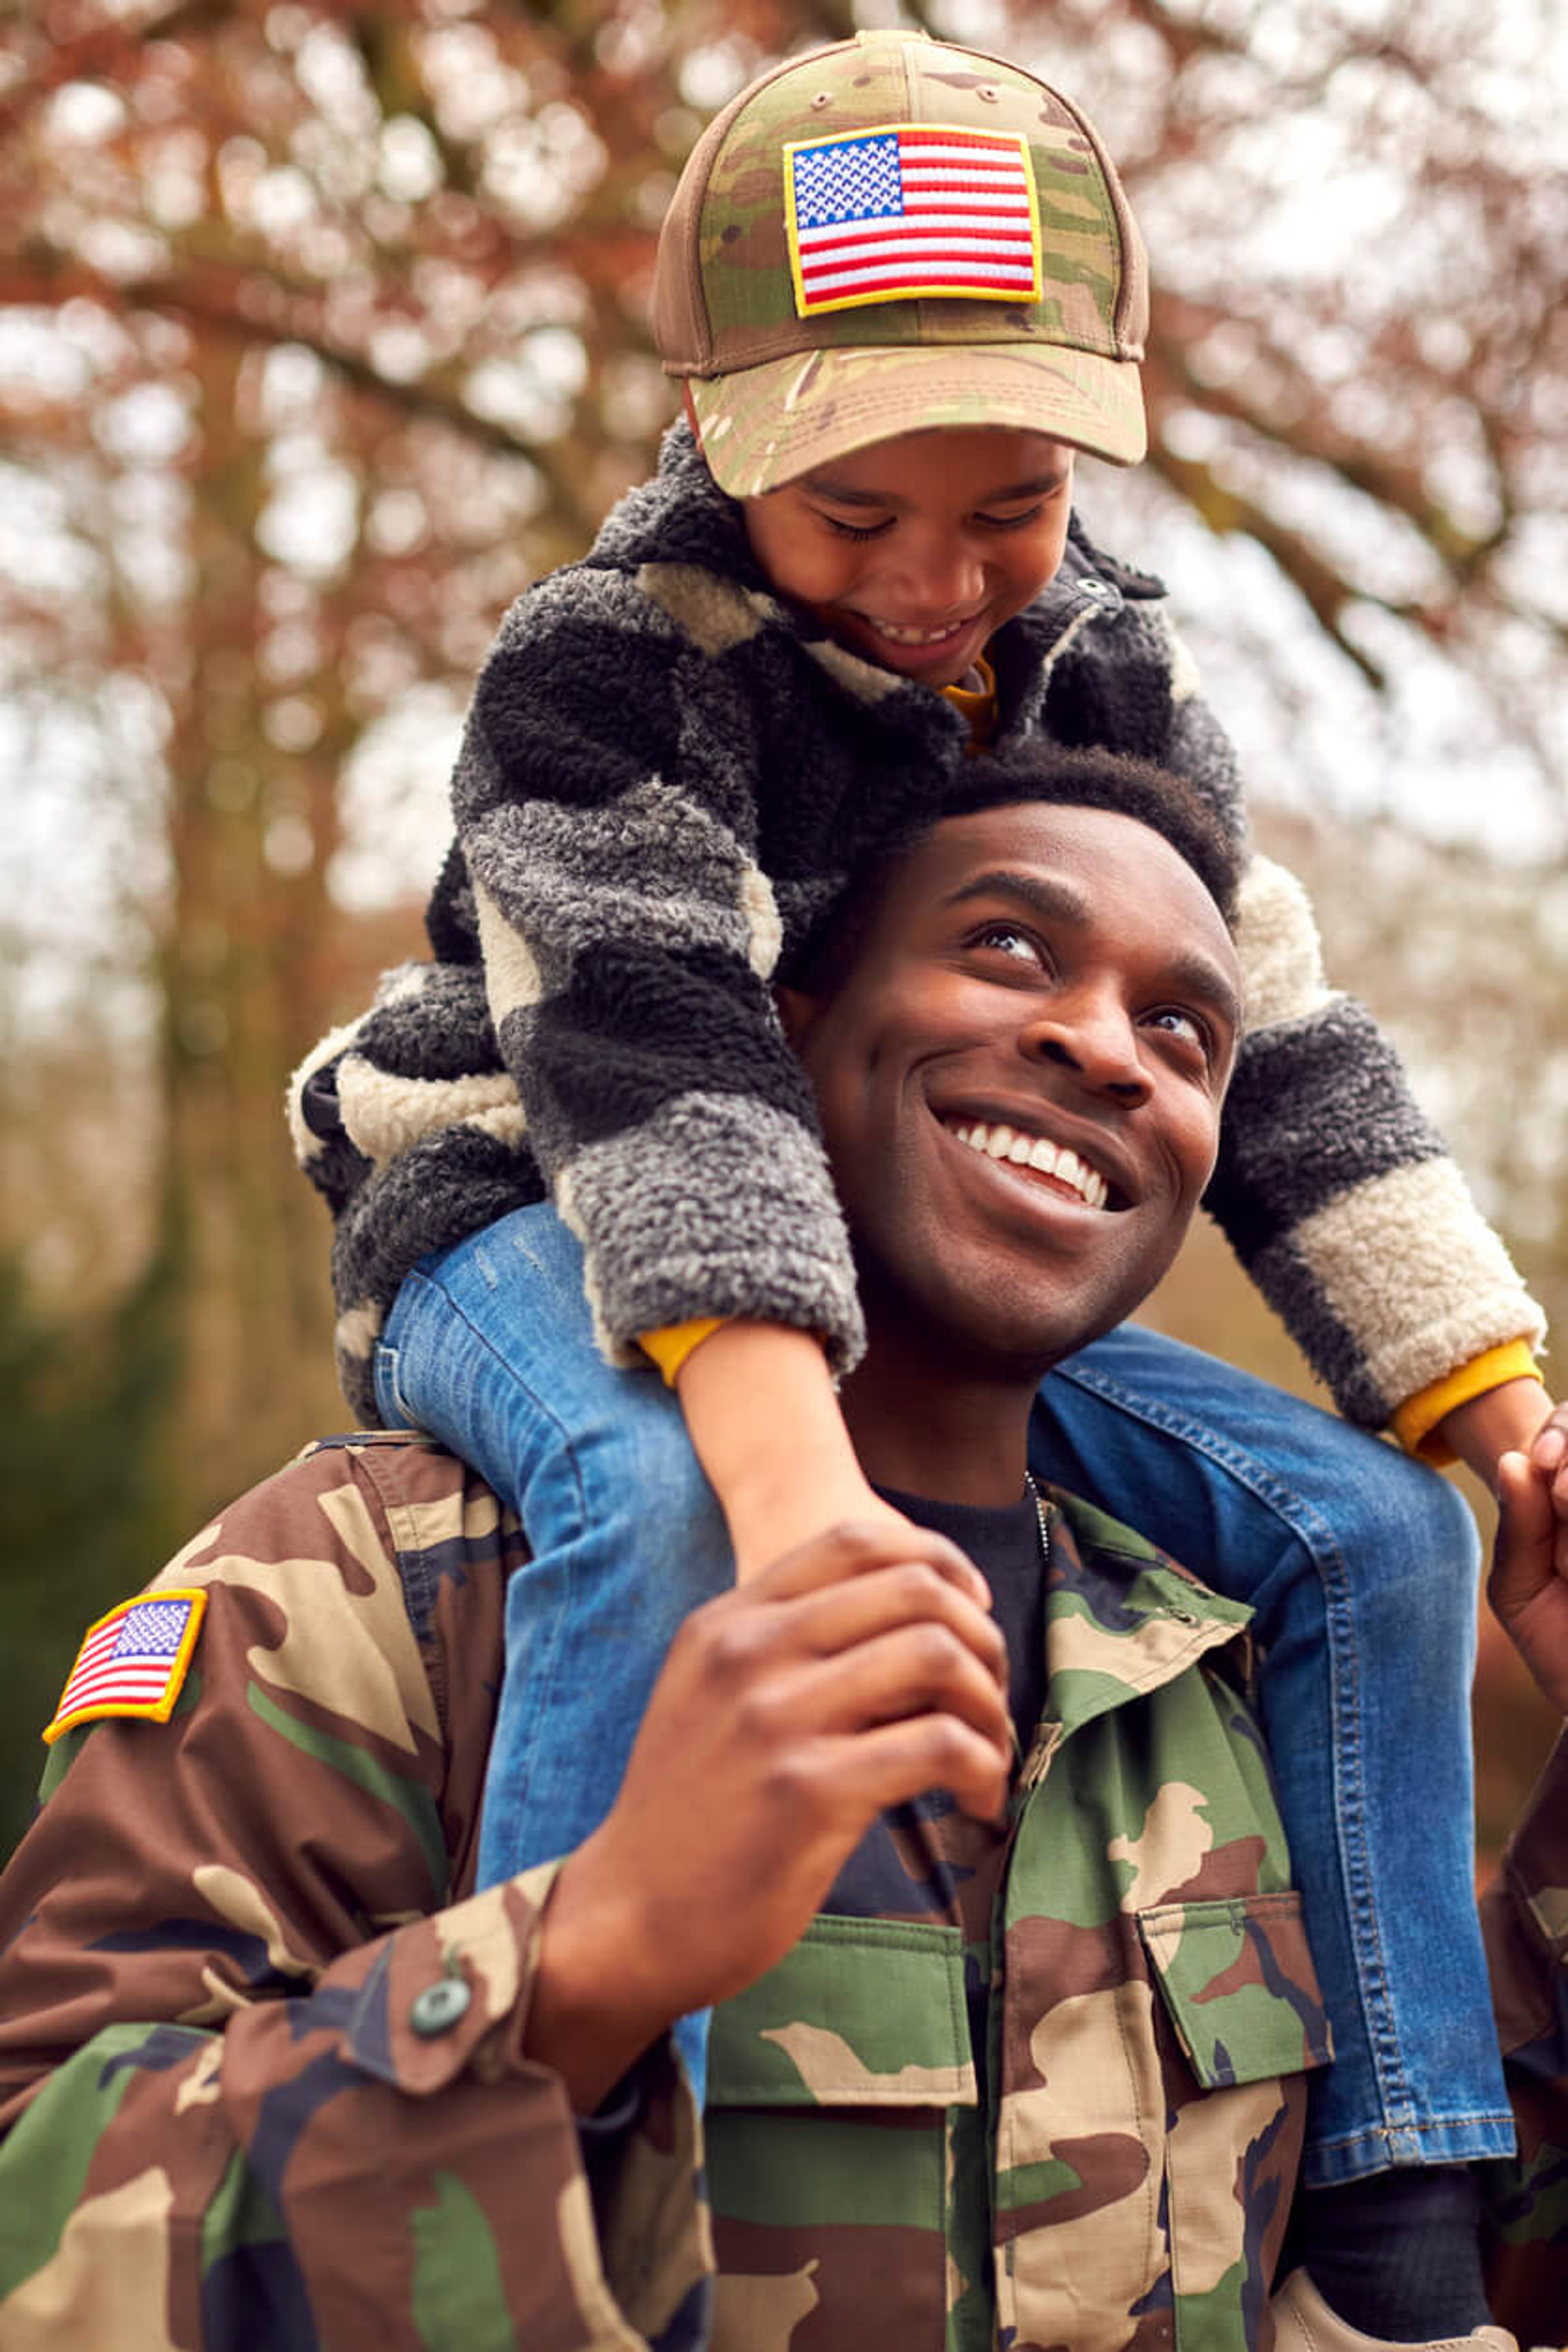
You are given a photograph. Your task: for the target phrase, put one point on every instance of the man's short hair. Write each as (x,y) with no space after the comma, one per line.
(1167,803)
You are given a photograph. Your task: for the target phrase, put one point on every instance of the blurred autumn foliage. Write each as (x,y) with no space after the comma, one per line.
(322,333)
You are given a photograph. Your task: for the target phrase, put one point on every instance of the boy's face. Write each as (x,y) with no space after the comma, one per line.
(912,553)
(1037,981)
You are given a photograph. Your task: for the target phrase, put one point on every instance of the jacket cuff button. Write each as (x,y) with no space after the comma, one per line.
(439,2007)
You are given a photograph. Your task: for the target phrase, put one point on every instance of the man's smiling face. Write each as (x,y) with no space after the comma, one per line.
(1020,1079)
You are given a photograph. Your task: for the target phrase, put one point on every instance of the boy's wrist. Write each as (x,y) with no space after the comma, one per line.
(787,1501)
(1503,1420)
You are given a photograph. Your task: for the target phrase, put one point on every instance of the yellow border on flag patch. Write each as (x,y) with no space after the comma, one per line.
(157,1710)
(908,293)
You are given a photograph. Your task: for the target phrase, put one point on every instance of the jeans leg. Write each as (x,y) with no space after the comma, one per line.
(489,1346)
(1363,1567)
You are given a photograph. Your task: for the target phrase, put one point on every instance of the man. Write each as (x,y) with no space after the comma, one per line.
(1525,1913)
(274,2077)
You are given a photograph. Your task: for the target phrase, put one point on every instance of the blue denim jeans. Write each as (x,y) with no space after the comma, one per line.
(1362,1566)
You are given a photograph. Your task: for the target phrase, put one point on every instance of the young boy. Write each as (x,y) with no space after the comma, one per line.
(902,287)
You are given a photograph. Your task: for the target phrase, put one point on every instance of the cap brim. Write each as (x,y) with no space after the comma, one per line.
(760,426)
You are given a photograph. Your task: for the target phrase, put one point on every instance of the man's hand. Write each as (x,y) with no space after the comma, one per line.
(1527,1587)
(854,1673)
(1515,1439)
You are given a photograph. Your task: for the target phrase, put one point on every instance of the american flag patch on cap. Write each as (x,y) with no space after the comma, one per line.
(131,1662)
(916,209)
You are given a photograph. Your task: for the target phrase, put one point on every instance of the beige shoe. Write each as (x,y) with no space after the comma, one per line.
(1303,2323)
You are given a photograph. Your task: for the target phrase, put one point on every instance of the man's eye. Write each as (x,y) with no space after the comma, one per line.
(1176,1023)
(1011,939)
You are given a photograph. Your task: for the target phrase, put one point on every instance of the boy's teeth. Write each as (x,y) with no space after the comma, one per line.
(1004,1143)
(902,636)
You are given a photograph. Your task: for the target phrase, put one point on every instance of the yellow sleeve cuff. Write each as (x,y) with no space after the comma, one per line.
(1414,1422)
(976,706)
(670,1346)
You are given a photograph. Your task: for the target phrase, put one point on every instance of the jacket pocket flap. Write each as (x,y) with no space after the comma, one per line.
(861,2013)
(1238,1982)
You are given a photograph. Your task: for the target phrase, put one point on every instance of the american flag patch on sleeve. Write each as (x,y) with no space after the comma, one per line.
(131,1662)
(918,209)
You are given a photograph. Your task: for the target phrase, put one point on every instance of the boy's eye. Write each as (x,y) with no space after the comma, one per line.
(1012,522)
(843,529)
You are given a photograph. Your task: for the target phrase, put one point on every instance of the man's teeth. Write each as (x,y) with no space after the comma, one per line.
(1004,1142)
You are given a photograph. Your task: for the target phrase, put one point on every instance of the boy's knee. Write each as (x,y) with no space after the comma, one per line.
(1412,1529)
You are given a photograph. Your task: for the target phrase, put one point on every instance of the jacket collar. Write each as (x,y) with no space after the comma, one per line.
(1121,1618)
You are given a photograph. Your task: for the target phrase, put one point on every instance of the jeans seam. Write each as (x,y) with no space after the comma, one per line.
(1479,2137)
(1395,2098)
(523,1773)
(385,1353)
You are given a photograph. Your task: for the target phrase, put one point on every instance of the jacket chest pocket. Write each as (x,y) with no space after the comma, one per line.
(1146,2158)
(1239,1994)
(831,2083)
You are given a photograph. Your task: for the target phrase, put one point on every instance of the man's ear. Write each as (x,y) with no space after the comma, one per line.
(689,405)
(798,1014)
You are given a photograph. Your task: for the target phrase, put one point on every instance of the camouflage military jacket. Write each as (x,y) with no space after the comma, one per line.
(260,2069)
(1525,1915)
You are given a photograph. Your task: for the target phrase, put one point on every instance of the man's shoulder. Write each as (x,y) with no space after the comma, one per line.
(344,1493)
(366,1560)
(441,1531)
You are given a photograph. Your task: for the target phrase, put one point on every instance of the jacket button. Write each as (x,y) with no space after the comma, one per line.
(438,2007)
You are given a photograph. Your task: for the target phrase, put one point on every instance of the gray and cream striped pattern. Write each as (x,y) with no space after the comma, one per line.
(663,782)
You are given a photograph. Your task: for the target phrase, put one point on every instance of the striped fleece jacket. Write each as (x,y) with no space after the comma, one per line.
(664,782)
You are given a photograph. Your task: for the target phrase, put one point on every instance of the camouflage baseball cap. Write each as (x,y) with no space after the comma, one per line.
(890,234)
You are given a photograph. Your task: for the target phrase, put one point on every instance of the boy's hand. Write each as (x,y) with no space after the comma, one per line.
(1517,1418)
(851,1676)
(1528,1587)
(1548,1460)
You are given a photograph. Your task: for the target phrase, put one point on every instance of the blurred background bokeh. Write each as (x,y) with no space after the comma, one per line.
(322,333)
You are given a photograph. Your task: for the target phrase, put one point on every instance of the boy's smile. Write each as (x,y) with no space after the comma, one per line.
(914,551)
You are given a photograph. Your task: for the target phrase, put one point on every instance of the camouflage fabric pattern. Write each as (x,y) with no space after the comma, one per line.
(1148,2109)
(260,2051)
(221,1938)
(725,301)
(743,249)
(1525,1917)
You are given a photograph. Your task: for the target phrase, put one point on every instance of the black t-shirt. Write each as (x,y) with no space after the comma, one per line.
(1004,1545)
